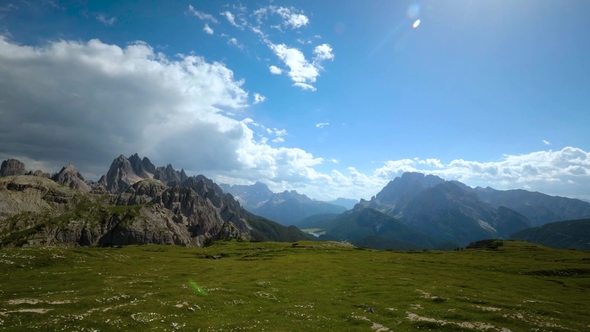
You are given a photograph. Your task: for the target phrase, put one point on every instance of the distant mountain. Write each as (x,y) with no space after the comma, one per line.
(35,210)
(452,214)
(285,208)
(397,194)
(348,203)
(537,207)
(445,209)
(250,196)
(571,234)
(289,207)
(366,227)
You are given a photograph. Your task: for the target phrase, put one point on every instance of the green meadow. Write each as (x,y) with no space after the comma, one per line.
(304,286)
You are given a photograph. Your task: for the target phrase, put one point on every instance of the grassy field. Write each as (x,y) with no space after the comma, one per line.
(309,286)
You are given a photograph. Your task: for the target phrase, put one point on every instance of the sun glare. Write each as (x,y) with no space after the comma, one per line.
(416,24)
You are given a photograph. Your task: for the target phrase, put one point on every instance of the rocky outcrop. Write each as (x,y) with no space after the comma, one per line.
(142,192)
(121,175)
(12,167)
(142,167)
(69,176)
(167,175)
(41,174)
(228,208)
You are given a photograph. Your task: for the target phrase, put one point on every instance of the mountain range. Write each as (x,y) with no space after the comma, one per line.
(287,207)
(453,211)
(134,203)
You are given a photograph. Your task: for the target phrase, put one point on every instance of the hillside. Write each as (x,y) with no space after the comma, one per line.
(38,211)
(366,227)
(304,286)
(571,234)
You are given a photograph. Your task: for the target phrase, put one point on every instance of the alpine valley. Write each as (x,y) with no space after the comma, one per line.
(139,203)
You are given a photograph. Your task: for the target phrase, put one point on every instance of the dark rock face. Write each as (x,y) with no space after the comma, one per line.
(142,168)
(228,208)
(12,167)
(70,177)
(122,174)
(167,175)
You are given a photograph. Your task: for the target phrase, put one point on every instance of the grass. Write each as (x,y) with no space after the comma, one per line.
(304,286)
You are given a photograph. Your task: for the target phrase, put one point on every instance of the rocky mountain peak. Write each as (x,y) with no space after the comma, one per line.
(12,167)
(399,192)
(121,175)
(69,176)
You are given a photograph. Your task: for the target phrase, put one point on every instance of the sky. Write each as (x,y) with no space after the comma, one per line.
(332,99)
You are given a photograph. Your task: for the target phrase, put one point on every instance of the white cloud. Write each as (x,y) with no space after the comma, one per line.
(291,17)
(322,124)
(305,86)
(546,142)
(278,140)
(335,161)
(431,162)
(92,96)
(231,19)
(296,20)
(258,98)
(323,52)
(234,41)
(201,15)
(208,29)
(106,21)
(275,70)
(300,70)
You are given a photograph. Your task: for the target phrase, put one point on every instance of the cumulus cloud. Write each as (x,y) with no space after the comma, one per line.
(322,124)
(88,102)
(546,142)
(301,71)
(208,29)
(105,20)
(258,98)
(201,15)
(275,70)
(323,52)
(291,17)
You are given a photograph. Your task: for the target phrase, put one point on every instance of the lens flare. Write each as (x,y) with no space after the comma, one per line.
(197,288)
(413,10)
(416,24)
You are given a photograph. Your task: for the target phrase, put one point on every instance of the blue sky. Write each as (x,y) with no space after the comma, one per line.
(329,98)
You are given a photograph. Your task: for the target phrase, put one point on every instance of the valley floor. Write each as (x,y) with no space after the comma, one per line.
(308,286)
